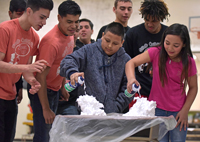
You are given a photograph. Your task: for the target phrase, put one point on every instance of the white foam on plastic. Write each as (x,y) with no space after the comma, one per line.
(142,107)
(90,106)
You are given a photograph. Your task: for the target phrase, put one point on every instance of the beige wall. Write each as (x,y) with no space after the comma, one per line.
(100,13)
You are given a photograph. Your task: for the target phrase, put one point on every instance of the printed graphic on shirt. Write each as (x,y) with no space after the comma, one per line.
(141,50)
(58,71)
(68,48)
(21,49)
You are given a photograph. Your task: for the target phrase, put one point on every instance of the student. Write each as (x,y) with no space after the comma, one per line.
(102,65)
(54,46)
(85,32)
(16,8)
(76,35)
(123,11)
(141,37)
(173,69)
(17,46)
(70,107)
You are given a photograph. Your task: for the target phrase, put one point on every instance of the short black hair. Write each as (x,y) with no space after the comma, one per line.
(69,7)
(17,5)
(37,4)
(116,2)
(87,20)
(155,8)
(115,28)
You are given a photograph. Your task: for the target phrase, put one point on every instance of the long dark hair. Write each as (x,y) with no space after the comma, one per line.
(181,31)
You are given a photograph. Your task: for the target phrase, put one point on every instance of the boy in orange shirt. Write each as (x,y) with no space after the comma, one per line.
(54,46)
(17,46)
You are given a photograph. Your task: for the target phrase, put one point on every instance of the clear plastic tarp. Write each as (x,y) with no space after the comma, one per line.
(111,128)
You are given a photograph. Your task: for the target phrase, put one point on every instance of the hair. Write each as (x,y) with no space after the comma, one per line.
(87,20)
(17,5)
(116,2)
(155,8)
(181,31)
(35,5)
(69,7)
(115,28)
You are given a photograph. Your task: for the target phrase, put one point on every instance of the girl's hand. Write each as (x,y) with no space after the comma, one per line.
(182,119)
(130,83)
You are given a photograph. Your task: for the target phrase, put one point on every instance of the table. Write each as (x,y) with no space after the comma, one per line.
(113,128)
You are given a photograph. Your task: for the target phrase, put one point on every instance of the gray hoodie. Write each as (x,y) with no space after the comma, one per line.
(104,75)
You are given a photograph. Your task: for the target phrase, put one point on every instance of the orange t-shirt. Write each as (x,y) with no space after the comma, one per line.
(53,47)
(18,45)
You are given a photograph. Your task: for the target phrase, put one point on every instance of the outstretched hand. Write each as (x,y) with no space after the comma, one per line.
(182,119)
(35,86)
(38,66)
(130,83)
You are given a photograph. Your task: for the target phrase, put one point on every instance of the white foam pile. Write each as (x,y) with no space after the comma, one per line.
(142,107)
(90,106)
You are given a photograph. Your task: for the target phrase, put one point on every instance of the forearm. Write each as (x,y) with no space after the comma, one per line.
(42,94)
(192,92)
(63,82)
(191,95)
(12,68)
(130,70)
(28,76)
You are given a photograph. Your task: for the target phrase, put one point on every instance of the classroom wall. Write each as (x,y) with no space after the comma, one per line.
(100,13)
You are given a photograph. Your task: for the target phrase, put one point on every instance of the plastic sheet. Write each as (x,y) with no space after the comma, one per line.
(113,128)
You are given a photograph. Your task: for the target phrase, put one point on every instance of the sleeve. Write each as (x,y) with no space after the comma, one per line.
(153,51)
(74,62)
(122,101)
(192,67)
(128,43)
(4,36)
(36,42)
(47,52)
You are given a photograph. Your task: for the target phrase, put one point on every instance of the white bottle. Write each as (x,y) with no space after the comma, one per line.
(135,89)
(69,87)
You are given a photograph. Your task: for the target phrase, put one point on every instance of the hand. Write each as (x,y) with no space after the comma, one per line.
(49,116)
(74,77)
(35,86)
(19,97)
(130,83)
(182,119)
(65,95)
(38,66)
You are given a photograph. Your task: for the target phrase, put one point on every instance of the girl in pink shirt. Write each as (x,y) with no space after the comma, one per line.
(173,69)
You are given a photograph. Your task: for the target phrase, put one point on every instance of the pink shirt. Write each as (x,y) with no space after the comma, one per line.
(170,96)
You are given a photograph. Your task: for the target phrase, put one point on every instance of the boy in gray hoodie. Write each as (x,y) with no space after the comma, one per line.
(102,65)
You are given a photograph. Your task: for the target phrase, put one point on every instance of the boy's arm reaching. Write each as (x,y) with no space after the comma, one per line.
(72,63)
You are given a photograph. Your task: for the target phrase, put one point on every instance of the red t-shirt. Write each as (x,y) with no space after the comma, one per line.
(53,47)
(17,45)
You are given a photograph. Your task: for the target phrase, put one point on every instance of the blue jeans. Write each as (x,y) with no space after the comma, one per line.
(41,129)
(174,135)
(68,110)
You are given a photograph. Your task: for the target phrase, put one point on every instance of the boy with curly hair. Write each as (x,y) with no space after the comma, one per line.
(141,37)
